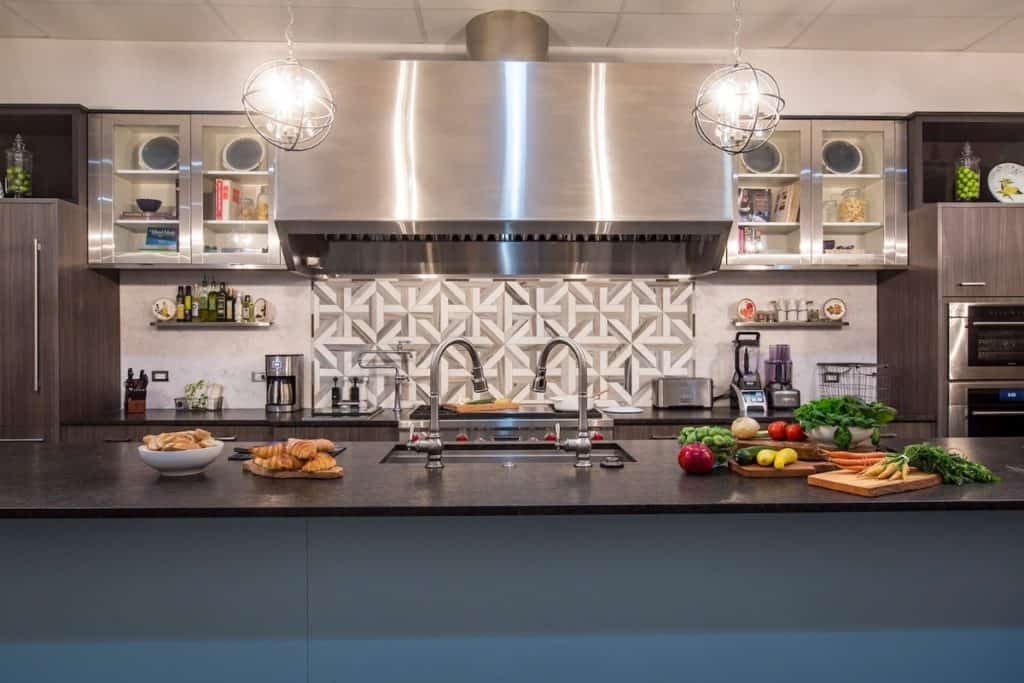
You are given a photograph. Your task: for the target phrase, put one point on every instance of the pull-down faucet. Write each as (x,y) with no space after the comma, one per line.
(581,444)
(432,445)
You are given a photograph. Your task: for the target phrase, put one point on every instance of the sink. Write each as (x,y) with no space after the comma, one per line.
(501,452)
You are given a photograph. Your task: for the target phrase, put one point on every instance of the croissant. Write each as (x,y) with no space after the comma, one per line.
(201,435)
(282,461)
(268,451)
(151,441)
(319,463)
(303,449)
(325,445)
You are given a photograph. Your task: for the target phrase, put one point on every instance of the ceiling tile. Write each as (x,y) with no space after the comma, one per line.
(326,24)
(147,22)
(13,26)
(567,28)
(1007,38)
(532,5)
(706,31)
(792,7)
(835,32)
(931,8)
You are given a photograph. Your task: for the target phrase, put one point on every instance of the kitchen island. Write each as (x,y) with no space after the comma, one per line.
(479,572)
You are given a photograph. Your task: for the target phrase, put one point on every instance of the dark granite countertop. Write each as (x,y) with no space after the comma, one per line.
(386,418)
(111,481)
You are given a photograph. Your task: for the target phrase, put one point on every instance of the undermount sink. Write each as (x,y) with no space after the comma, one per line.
(514,452)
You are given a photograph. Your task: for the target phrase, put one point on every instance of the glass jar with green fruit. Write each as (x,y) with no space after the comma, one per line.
(968,176)
(18,174)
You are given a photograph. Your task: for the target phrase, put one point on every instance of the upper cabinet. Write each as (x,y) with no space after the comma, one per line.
(180,191)
(822,194)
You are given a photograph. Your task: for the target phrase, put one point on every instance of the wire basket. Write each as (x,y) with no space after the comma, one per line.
(866,381)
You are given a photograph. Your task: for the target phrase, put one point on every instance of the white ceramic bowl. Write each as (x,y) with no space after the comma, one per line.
(826,435)
(181,463)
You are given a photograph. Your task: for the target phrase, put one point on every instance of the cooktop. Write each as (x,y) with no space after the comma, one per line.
(531,412)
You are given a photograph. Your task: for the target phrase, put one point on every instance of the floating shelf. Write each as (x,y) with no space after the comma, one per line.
(849,228)
(852,176)
(174,325)
(768,177)
(143,172)
(147,221)
(240,174)
(792,325)
(771,228)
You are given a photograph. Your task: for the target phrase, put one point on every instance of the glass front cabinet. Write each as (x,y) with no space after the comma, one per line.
(822,194)
(180,190)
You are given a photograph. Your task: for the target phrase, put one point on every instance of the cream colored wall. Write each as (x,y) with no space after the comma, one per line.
(715,301)
(226,357)
(156,75)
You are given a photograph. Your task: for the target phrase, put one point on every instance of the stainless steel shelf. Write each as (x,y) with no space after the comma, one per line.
(174,325)
(792,325)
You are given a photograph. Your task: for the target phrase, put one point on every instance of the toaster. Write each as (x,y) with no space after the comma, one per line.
(683,392)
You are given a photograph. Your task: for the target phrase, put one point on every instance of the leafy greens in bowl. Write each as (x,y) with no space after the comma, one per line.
(843,413)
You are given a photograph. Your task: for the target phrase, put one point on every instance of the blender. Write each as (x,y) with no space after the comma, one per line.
(747,389)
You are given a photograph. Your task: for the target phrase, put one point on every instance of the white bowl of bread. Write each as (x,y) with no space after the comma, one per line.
(179,454)
(308,456)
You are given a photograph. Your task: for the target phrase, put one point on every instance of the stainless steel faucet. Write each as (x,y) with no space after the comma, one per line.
(581,444)
(401,366)
(432,445)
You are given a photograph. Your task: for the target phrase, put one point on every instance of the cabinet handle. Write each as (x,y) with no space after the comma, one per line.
(997,413)
(972,284)
(32,439)
(116,440)
(36,248)
(664,437)
(993,323)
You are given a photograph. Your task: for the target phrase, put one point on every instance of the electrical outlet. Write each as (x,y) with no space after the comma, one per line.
(161,376)
(258,376)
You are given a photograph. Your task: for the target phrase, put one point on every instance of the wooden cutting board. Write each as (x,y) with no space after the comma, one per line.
(800,468)
(334,473)
(849,482)
(805,450)
(497,406)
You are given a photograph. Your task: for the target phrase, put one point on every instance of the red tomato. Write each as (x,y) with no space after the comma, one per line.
(550,436)
(597,436)
(462,437)
(777,430)
(415,438)
(795,432)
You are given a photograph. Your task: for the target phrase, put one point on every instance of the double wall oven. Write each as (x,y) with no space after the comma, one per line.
(986,368)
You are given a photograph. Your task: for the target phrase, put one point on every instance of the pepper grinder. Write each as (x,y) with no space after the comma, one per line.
(335,394)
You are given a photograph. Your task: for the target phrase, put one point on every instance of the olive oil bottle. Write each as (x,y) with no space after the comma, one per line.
(222,303)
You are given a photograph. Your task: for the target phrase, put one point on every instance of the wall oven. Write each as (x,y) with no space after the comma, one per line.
(986,409)
(986,341)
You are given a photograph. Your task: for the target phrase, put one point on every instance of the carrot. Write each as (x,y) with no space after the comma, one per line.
(851,454)
(854,468)
(855,461)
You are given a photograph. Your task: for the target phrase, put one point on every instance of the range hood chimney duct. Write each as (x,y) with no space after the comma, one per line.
(507,35)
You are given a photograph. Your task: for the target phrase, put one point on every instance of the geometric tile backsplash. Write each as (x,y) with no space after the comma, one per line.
(631,330)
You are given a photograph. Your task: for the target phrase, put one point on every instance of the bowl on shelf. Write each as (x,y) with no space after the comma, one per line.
(181,463)
(826,435)
(148,205)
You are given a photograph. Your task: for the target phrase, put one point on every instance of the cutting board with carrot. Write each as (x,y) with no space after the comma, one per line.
(497,405)
(800,468)
(852,482)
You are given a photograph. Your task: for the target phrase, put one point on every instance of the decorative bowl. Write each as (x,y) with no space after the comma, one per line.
(181,463)
(148,205)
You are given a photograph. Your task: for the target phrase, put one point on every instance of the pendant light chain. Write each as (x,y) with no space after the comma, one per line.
(737,13)
(288,31)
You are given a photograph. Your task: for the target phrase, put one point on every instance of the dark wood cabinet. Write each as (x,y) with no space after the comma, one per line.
(59,345)
(982,249)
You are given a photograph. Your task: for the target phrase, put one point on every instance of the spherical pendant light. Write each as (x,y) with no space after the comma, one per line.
(738,107)
(288,104)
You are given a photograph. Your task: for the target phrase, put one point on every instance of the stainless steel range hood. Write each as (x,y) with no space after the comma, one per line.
(470,168)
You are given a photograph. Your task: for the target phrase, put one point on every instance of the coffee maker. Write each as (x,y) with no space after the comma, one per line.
(284,382)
